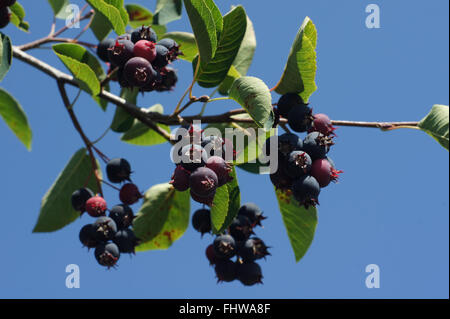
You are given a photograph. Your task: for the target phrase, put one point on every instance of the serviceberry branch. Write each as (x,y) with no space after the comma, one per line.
(76,124)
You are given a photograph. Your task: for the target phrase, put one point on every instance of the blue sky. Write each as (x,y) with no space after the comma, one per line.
(390,207)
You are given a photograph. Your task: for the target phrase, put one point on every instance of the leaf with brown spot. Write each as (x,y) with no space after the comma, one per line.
(163,217)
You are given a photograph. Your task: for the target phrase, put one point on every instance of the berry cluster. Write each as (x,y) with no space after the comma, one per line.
(142,61)
(5,14)
(110,235)
(236,242)
(202,167)
(303,165)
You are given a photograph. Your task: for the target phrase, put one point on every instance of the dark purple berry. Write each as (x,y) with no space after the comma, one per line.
(96,206)
(322,124)
(144,33)
(287,143)
(120,52)
(129,194)
(193,156)
(241,228)
(107,254)
(208,200)
(145,49)
(203,182)
(5,17)
(287,102)
(211,255)
(80,197)
(122,215)
(252,249)
(249,274)
(226,270)
(281,180)
(299,164)
(317,145)
(306,191)
(7,3)
(139,72)
(180,179)
(224,246)
(172,46)
(201,221)
(88,236)
(221,168)
(252,212)
(126,241)
(162,57)
(167,81)
(323,171)
(102,49)
(105,228)
(213,145)
(118,170)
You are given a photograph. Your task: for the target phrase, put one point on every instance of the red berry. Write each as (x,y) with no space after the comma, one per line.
(322,124)
(180,179)
(96,206)
(145,49)
(129,194)
(323,172)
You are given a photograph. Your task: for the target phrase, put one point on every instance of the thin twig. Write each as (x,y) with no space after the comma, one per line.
(76,124)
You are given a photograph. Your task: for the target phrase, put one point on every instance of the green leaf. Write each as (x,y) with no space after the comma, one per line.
(100,26)
(167,11)
(59,8)
(234,26)
(160,30)
(5,55)
(219,208)
(300,223)
(243,59)
(141,134)
(300,70)
(78,61)
(18,16)
(163,217)
(436,124)
(217,16)
(187,44)
(204,27)
(56,207)
(254,96)
(81,54)
(234,201)
(138,15)
(116,18)
(123,120)
(14,116)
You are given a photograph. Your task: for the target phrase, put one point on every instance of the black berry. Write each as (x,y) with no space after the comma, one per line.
(252,212)
(162,57)
(300,118)
(5,17)
(126,241)
(317,145)
(306,191)
(226,270)
(241,228)
(201,221)
(121,52)
(143,33)
(287,102)
(299,164)
(224,246)
(118,170)
(122,215)
(105,229)
(80,197)
(252,249)
(249,274)
(88,236)
(103,47)
(107,254)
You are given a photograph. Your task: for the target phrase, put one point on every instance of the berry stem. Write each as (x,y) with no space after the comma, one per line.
(77,126)
(110,185)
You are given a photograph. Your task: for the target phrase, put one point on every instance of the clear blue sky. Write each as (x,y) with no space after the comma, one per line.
(390,207)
